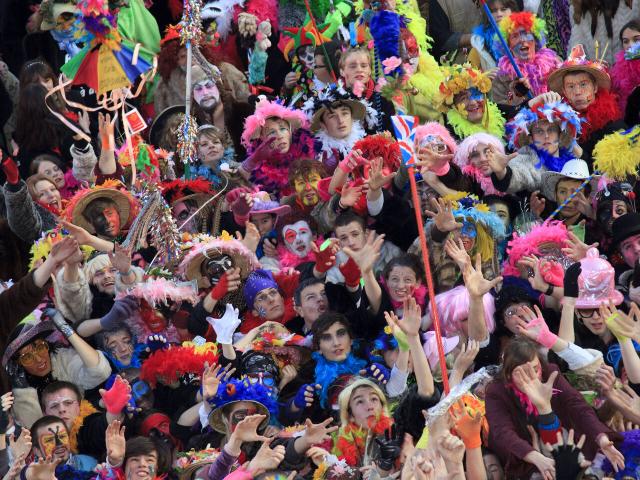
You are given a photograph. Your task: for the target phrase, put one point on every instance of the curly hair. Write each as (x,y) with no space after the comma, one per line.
(168,57)
(304,167)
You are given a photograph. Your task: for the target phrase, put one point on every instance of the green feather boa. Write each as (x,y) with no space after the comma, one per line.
(464,128)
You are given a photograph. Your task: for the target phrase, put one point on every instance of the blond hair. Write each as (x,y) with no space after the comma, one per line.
(345,397)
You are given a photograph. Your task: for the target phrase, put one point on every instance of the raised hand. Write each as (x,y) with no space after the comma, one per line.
(498,161)
(62,250)
(377,179)
(115,442)
(457,253)
(106,131)
(117,397)
(583,204)
(474,280)
(351,161)
(246,430)
(627,401)
(318,432)
(451,449)
(539,393)
(266,458)
(228,282)
(367,256)
(80,234)
(571,280)
(16,467)
(466,356)
(306,395)
(226,325)
(42,469)
(156,342)
(443,215)
(467,427)
(211,379)
(533,326)
(10,169)
(611,452)
(568,456)
(532,262)
(621,325)
(325,259)
(389,449)
(378,372)
(576,249)
(537,203)
(21,445)
(120,312)
(350,194)
(287,374)
(351,273)
(120,259)
(606,379)
(251,238)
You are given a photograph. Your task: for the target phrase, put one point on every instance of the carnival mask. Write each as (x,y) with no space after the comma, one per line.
(238,415)
(214,268)
(298,238)
(153,319)
(306,55)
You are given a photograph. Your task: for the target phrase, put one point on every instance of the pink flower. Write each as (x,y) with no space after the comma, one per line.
(358,88)
(370,45)
(390,64)
(380,84)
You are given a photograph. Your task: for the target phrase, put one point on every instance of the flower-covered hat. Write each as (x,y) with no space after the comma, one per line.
(241,391)
(596,283)
(577,62)
(470,208)
(126,205)
(559,113)
(527,20)
(242,257)
(265,110)
(457,79)
(187,463)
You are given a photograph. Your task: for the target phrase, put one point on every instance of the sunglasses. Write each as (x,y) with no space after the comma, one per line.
(27,359)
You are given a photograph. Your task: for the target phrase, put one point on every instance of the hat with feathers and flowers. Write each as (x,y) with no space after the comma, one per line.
(458,79)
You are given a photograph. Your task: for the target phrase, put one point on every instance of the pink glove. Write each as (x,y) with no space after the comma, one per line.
(117,396)
(552,273)
(545,337)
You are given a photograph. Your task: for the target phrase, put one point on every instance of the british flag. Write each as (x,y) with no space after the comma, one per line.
(404,128)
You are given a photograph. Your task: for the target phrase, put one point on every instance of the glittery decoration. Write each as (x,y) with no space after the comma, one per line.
(191,22)
(187,134)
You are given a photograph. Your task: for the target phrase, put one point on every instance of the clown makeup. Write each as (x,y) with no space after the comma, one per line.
(206,94)
(153,319)
(473,105)
(280,131)
(120,346)
(467,235)
(546,136)
(402,282)
(54,442)
(239,412)
(608,214)
(522,44)
(580,89)
(107,222)
(214,268)
(269,304)
(630,250)
(64,404)
(105,280)
(364,406)
(502,211)
(479,158)
(182,211)
(629,37)
(306,56)
(263,378)
(298,238)
(307,188)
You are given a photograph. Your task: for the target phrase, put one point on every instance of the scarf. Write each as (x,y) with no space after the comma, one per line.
(603,110)
(214,174)
(464,128)
(327,371)
(550,162)
(343,146)
(536,71)
(525,401)
(625,76)
(350,443)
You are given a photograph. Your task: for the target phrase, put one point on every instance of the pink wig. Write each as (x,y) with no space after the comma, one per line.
(435,128)
(461,158)
(265,110)
(522,245)
(453,308)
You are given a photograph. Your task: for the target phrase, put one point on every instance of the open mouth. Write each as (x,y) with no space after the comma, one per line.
(338,352)
(524,50)
(300,248)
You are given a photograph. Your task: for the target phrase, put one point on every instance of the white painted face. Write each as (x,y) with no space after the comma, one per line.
(206,94)
(298,238)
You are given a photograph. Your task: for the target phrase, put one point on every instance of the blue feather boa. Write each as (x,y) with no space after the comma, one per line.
(385,30)
(487,34)
(551,163)
(327,371)
(135,358)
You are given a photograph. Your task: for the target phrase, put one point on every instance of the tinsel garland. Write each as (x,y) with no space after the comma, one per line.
(191,30)
(187,134)
(154,218)
(463,127)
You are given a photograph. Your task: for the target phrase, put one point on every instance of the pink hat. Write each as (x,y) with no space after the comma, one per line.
(430,346)
(262,203)
(596,283)
(435,128)
(265,110)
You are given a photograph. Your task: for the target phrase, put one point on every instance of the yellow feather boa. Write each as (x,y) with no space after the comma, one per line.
(464,128)
(618,155)
(86,409)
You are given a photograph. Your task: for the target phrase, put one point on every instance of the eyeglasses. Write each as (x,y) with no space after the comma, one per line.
(27,359)
(586,313)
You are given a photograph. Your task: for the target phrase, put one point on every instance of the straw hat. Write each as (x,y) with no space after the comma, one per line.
(577,62)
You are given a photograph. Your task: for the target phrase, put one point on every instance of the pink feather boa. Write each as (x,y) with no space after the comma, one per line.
(544,62)
(625,75)
(291,260)
(485,182)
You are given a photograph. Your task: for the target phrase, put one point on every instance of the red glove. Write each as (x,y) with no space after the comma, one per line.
(351,273)
(117,396)
(221,288)
(323,259)
(234,194)
(11,171)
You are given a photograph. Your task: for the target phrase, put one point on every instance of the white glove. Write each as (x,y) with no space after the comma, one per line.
(226,325)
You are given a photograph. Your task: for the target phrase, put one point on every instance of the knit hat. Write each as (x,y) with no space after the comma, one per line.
(596,283)
(257,281)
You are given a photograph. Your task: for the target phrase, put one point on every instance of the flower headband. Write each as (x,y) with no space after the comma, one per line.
(460,78)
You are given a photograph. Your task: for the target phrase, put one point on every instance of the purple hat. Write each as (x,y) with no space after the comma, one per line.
(262,203)
(24,334)
(257,281)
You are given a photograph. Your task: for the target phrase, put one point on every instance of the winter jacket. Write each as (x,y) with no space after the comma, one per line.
(26,218)
(522,173)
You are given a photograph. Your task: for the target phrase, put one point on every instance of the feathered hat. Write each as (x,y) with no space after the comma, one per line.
(459,78)
(126,205)
(242,257)
(265,110)
(578,62)
(180,190)
(160,291)
(559,113)
(241,391)
(332,97)
(168,366)
(42,247)
(187,463)
(526,20)
(285,347)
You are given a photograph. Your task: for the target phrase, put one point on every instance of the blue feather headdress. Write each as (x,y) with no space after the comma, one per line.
(244,391)
(472,209)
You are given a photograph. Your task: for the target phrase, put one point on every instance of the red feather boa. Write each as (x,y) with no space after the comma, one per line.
(603,110)
(351,442)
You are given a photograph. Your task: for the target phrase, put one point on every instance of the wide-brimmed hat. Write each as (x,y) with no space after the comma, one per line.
(189,462)
(262,203)
(577,62)
(332,97)
(24,334)
(241,391)
(596,283)
(157,127)
(242,257)
(51,10)
(625,226)
(575,169)
(266,109)
(126,205)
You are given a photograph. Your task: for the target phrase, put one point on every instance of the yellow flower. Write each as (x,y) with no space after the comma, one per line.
(387,330)
(462,110)
(484,84)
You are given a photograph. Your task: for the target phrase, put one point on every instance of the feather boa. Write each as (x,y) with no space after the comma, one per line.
(343,146)
(167,366)
(630,448)
(464,128)
(625,75)
(327,371)
(485,182)
(351,440)
(528,405)
(135,362)
(603,110)
(288,259)
(86,409)
(384,28)
(550,162)
(544,62)
(487,34)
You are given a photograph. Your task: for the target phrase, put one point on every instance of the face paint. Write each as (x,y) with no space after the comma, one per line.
(523,44)
(298,238)
(107,223)
(475,94)
(468,230)
(263,378)
(239,415)
(214,268)
(433,143)
(206,94)
(307,188)
(54,441)
(152,318)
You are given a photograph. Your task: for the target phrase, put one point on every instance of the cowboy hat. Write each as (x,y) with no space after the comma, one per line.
(575,169)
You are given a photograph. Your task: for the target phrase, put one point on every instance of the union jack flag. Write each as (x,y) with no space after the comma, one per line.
(403,126)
